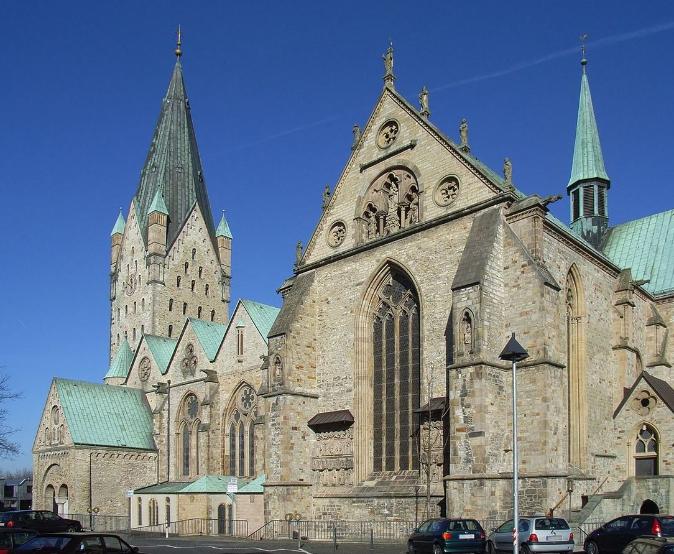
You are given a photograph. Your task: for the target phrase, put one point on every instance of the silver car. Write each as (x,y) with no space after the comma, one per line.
(536,533)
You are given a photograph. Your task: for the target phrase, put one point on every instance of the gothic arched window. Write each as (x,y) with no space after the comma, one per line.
(397,367)
(188,436)
(167,508)
(646,451)
(241,440)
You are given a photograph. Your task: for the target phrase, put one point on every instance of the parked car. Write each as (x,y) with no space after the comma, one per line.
(650,545)
(438,535)
(41,521)
(615,535)
(12,537)
(72,543)
(536,534)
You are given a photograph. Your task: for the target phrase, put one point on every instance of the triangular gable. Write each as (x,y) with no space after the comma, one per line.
(106,415)
(660,387)
(488,177)
(162,349)
(263,316)
(209,334)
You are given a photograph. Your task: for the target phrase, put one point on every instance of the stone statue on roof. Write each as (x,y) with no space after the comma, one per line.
(508,172)
(423,103)
(326,197)
(463,134)
(356,136)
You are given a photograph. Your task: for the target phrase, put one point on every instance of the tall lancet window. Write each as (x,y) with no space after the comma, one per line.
(577,412)
(396,375)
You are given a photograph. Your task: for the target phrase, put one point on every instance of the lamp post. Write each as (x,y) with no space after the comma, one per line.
(514,352)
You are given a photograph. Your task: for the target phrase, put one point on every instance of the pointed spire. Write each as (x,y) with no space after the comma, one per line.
(158,204)
(223,228)
(389,77)
(121,363)
(173,163)
(120,224)
(588,161)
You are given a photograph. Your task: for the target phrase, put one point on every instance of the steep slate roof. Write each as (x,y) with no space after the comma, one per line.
(662,388)
(106,415)
(646,246)
(209,334)
(121,363)
(173,164)
(162,349)
(263,315)
(588,162)
(208,484)
(291,303)
(473,264)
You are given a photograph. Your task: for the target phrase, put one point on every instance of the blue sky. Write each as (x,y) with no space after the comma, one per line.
(275,88)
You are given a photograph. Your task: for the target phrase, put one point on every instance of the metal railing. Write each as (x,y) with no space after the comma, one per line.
(338,530)
(193,526)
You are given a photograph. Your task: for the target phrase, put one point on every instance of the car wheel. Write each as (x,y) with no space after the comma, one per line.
(591,548)
(410,548)
(437,549)
(524,549)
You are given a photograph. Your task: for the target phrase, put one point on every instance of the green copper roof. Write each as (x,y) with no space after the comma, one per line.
(208,484)
(121,363)
(158,204)
(588,162)
(162,349)
(173,164)
(263,316)
(209,334)
(106,415)
(120,224)
(646,246)
(223,228)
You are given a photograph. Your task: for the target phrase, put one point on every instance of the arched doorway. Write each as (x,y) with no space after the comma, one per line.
(62,501)
(222,518)
(50,499)
(649,507)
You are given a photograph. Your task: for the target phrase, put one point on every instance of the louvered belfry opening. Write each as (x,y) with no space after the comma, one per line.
(588,201)
(397,367)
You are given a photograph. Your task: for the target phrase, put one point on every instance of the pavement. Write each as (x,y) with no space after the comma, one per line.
(217,545)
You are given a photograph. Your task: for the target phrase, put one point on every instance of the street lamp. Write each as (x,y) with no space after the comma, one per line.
(514,352)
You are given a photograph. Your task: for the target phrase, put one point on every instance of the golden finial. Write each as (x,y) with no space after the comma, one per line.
(179,51)
(583,60)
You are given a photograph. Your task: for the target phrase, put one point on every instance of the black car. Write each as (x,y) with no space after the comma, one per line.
(439,535)
(71,543)
(10,538)
(42,521)
(650,545)
(613,536)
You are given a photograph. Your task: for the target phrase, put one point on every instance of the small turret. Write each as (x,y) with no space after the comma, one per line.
(224,238)
(589,182)
(116,239)
(157,224)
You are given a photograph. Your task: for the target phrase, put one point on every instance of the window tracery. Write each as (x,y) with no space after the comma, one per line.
(646,451)
(189,361)
(242,433)
(188,436)
(390,204)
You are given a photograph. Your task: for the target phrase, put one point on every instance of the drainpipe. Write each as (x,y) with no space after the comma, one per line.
(168,434)
(91,495)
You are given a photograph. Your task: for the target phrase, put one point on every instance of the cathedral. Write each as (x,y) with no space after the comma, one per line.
(376,391)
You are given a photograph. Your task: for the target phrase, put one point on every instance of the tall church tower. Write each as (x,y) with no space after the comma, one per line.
(168,260)
(589,182)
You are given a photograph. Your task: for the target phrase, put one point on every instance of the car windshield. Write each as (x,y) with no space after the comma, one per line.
(548,524)
(667,524)
(53,543)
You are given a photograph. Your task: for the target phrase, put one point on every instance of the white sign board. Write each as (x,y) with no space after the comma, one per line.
(233,485)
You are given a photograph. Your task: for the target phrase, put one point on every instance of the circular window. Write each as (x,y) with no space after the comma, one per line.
(247,400)
(387,133)
(336,234)
(446,191)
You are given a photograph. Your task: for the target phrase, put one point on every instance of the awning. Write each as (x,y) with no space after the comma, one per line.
(437,404)
(338,418)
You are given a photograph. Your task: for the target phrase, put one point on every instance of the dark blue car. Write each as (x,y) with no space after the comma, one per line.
(440,535)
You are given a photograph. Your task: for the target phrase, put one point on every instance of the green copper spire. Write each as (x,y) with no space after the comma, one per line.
(158,204)
(588,162)
(223,228)
(120,224)
(173,164)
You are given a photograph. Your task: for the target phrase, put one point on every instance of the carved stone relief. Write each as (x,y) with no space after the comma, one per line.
(387,134)
(336,234)
(391,203)
(446,191)
(144,369)
(189,362)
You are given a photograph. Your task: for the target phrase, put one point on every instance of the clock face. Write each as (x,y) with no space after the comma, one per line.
(144,369)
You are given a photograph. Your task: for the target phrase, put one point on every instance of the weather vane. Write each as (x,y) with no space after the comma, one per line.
(583,38)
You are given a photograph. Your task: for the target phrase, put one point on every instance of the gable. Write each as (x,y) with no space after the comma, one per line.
(52,431)
(262,316)
(106,415)
(150,361)
(419,150)
(209,334)
(661,388)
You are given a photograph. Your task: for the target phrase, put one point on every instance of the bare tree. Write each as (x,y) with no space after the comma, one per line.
(18,474)
(8,447)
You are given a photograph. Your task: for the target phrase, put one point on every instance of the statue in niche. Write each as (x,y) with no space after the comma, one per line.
(463,134)
(392,219)
(467,331)
(278,371)
(371,226)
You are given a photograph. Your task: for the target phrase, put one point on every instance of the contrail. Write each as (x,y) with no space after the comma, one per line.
(560,54)
(288,132)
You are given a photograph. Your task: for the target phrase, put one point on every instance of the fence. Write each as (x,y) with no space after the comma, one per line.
(340,531)
(194,526)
